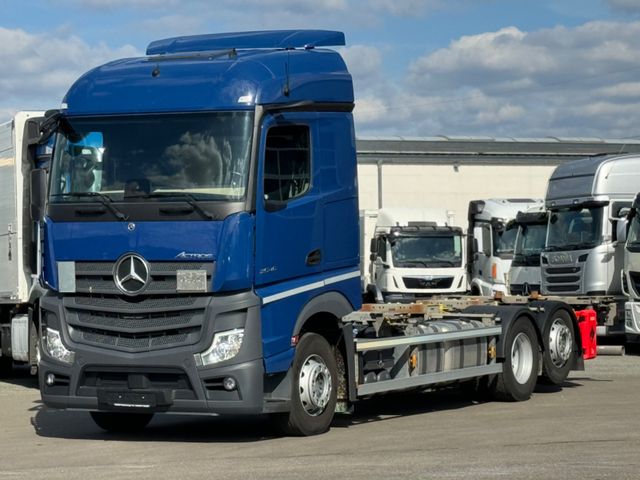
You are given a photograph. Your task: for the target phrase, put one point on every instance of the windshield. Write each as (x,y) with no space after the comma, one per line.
(575,228)
(529,243)
(504,241)
(204,155)
(427,251)
(633,238)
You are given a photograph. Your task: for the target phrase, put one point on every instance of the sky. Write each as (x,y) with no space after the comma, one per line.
(421,68)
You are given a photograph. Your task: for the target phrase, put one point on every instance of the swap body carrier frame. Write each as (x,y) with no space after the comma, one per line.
(200,249)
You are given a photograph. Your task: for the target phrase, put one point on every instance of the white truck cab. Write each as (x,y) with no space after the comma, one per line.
(413,254)
(525,273)
(491,240)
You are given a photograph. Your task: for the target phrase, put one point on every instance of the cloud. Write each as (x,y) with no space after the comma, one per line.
(43,66)
(560,81)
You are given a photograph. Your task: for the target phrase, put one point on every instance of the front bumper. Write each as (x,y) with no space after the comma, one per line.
(160,380)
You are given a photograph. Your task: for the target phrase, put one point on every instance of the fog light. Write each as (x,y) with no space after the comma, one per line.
(51,379)
(55,348)
(225,345)
(229,383)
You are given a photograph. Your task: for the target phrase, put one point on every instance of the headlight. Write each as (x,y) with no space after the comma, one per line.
(225,345)
(54,347)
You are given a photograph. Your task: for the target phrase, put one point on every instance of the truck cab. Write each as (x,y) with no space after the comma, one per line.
(491,238)
(631,273)
(414,254)
(525,272)
(588,201)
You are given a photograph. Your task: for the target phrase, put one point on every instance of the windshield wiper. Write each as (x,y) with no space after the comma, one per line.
(105,200)
(187,197)
(578,246)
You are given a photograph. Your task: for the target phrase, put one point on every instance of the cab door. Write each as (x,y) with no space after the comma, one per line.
(288,202)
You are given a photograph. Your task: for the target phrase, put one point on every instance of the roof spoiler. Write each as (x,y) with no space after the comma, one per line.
(238,40)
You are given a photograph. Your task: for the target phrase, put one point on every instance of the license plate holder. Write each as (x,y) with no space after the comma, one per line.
(127,400)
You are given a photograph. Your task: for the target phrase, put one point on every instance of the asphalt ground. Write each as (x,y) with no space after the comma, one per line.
(589,429)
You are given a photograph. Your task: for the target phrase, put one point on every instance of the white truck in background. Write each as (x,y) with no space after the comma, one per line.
(525,272)
(631,274)
(18,240)
(588,202)
(413,254)
(491,237)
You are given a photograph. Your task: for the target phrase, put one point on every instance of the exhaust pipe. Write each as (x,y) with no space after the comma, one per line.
(610,349)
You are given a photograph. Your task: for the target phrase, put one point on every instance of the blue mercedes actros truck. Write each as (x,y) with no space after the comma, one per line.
(200,252)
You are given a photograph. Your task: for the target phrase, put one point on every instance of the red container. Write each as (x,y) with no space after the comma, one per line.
(587,323)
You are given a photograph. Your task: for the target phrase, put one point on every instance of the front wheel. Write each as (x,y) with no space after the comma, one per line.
(313,392)
(519,373)
(118,422)
(558,356)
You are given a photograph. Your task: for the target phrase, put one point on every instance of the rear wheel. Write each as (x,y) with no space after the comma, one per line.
(121,422)
(314,383)
(558,356)
(519,373)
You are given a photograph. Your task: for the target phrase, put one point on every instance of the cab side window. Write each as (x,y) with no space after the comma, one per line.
(287,164)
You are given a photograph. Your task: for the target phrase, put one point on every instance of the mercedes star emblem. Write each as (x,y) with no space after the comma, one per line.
(131,274)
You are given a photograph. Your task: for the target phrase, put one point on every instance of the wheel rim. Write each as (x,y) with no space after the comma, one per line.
(315,385)
(560,343)
(522,358)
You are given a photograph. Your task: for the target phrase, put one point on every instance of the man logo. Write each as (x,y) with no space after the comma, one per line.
(131,274)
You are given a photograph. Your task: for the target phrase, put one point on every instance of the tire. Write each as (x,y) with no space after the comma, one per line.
(520,369)
(559,353)
(313,390)
(121,422)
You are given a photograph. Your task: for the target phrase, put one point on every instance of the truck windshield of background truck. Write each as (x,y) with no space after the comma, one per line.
(574,228)
(203,155)
(529,243)
(633,238)
(504,240)
(428,251)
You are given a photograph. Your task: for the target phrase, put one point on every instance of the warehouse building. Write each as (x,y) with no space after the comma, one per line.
(447,172)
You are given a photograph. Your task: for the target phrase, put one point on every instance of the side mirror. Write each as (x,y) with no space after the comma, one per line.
(373,245)
(621,230)
(38,187)
(475,246)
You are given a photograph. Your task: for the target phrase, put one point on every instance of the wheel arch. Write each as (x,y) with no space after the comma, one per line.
(322,315)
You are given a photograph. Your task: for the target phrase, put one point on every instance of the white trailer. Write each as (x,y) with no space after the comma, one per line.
(491,238)
(18,241)
(413,254)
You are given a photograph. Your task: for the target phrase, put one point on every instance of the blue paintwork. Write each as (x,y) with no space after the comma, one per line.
(229,243)
(241,40)
(241,81)
(279,317)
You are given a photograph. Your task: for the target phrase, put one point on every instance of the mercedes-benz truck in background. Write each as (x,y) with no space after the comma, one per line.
(19,288)
(413,254)
(201,252)
(588,201)
(525,272)
(491,239)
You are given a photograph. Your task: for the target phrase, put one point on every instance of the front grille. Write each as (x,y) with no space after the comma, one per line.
(97,277)
(426,283)
(562,280)
(518,289)
(136,324)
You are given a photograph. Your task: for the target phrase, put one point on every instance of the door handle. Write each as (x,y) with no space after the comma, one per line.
(314,257)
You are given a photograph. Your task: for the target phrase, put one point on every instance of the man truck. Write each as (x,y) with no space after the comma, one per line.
(200,249)
(491,238)
(414,254)
(588,202)
(18,242)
